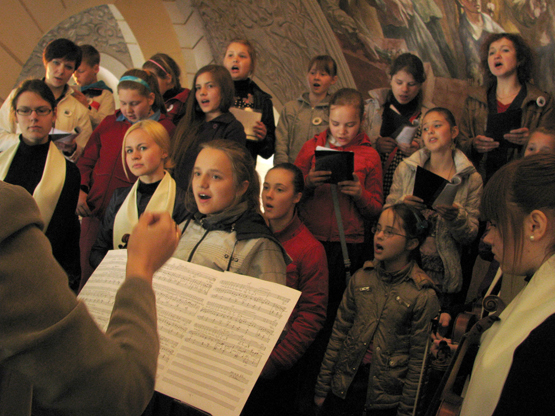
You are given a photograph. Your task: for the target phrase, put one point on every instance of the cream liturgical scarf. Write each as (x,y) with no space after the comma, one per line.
(127,217)
(533,305)
(50,187)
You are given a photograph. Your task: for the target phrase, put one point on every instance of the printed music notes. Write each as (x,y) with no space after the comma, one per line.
(216,329)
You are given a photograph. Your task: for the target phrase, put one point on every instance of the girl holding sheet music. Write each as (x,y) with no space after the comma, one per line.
(206,118)
(240,59)
(452,225)
(225,230)
(389,109)
(145,151)
(358,201)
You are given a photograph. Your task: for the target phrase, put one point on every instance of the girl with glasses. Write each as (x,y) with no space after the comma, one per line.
(37,165)
(374,356)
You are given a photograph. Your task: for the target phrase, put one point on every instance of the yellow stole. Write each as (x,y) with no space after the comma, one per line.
(47,193)
(127,216)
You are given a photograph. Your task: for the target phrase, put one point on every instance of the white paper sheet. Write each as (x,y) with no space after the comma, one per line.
(248,119)
(216,329)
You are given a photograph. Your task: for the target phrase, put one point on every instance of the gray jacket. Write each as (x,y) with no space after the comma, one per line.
(298,123)
(213,242)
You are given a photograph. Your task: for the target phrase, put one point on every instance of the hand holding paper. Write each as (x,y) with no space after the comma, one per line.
(447,212)
(249,119)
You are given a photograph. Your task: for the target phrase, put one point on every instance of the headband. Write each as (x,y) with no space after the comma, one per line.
(159,66)
(135,79)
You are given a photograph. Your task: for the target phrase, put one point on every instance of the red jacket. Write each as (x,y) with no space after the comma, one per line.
(101,165)
(308,273)
(317,206)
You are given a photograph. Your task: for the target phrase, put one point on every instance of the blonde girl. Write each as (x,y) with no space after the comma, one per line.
(101,167)
(240,59)
(145,152)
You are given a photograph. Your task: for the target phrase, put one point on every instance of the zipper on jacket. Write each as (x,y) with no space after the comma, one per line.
(232,251)
(196,245)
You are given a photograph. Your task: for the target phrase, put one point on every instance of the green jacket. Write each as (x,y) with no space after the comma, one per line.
(393,312)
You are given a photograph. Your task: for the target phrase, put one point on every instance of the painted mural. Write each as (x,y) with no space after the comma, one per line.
(446,34)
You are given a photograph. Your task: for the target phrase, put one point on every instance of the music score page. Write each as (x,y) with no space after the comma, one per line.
(217,329)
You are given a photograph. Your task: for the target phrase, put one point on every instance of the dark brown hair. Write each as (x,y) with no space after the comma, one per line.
(163,66)
(185,135)
(409,63)
(514,191)
(524,57)
(62,49)
(37,86)
(298,179)
(90,55)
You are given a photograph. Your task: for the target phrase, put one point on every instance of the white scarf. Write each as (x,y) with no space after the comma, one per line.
(127,216)
(47,193)
(533,305)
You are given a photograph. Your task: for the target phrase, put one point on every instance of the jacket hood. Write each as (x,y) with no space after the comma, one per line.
(463,166)
(305,98)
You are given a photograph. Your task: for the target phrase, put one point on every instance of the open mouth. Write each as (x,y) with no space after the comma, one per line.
(378,247)
(204,102)
(268,206)
(204,197)
(497,64)
(316,85)
(235,68)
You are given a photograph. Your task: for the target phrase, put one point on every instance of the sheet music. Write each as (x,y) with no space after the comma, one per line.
(216,329)
(447,196)
(406,135)
(248,119)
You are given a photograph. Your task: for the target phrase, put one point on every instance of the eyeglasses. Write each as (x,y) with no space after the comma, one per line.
(26,111)
(387,233)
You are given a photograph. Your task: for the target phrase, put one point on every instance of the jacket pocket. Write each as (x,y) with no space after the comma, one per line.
(395,374)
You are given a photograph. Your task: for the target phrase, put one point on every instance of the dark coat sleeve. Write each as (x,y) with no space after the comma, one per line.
(49,338)
(528,389)
(64,229)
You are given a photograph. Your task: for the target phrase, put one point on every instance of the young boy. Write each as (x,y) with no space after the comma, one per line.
(303,118)
(95,95)
(60,58)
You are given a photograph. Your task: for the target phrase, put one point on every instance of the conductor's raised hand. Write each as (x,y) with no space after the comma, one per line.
(151,244)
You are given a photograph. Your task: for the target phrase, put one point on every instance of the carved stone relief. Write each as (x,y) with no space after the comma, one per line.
(95,26)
